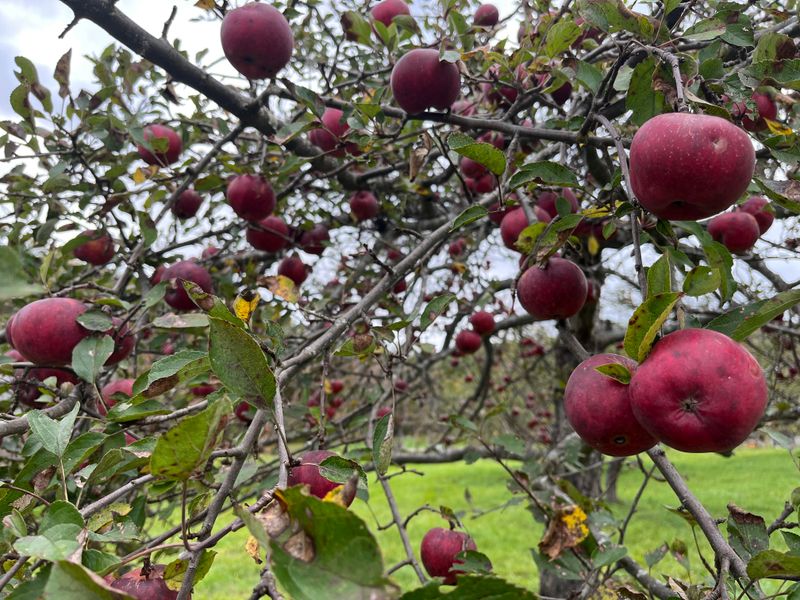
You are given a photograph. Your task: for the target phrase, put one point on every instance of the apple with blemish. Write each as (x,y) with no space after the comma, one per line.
(166,145)
(185,270)
(98,249)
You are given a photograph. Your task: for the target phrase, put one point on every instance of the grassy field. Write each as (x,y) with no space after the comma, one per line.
(756,480)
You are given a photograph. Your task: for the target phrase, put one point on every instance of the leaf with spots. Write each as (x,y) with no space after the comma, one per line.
(89,356)
(645,323)
(740,322)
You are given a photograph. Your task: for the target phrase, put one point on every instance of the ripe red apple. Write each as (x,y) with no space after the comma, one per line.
(699,391)
(482,185)
(145,584)
(468,342)
(293,268)
(364,205)
(315,239)
(337,385)
(556,292)
(257,40)
(439,550)
(244,412)
(456,248)
(547,201)
(184,270)
(487,15)
(765,109)
(599,408)
(386,10)
(27,381)
(158,135)
(329,137)
(472,169)
(45,331)
(515,221)
(497,212)
(187,204)
(737,231)
(400,385)
(400,287)
(203,390)
(759,208)
(482,322)
(209,252)
(688,166)
(98,249)
(308,473)
(124,341)
(273,235)
(420,81)
(120,386)
(251,197)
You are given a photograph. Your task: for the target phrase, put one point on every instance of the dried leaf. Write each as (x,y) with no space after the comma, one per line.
(566,530)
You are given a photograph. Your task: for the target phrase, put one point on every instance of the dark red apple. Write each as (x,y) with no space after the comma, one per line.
(421,81)
(472,169)
(468,342)
(599,408)
(272,236)
(515,221)
(400,385)
(308,473)
(98,249)
(487,15)
(329,137)
(497,212)
(439,550)
(386,10)
(337,385)
(293,268)
(699,391)
(759,208)
(688,166)
(244,412)
(203,390)
(160,136)
(482,185)
(124,341)
(737,231)
(556,292)
(27,381)
(120,386)
(145,584)
(185,270)
(364,205)
(315,239)
(187,204)
(251,197)
(400,287)
(561,94)
(547,201)
(482,322)
(45,331)
(257,40)
(456,248)
(765,109)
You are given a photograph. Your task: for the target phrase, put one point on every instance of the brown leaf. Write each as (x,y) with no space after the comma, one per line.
(252,549)
(300,546)
(61,74)
(567,529)
(274,518)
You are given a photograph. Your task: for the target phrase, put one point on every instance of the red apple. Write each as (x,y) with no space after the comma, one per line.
(251,197)
(456,248)
(293,268)
(337,385)
(482,185)
(556,292)
(98,249)
(329,137)
(599,408)
(765,109)
(272,236)
(315,239)
(547,201)
(472,169)
(487,15)
(387,10)
(699,391)
(209,252)
(737,231)
(760,209)
(515,221)
(124,341)
(308,473)
(421,81)
(400,287)
(400,385)
(257,40)
(185,270)
(482,322)
(27,381)
(120,386)
(187,204)
(203,390)
(145,584)
(439,550)
(160,136)
(45,331)
(364,205)
(497,212)
(468,342)
(688,166)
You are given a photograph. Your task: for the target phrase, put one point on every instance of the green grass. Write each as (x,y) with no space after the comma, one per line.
(756,480)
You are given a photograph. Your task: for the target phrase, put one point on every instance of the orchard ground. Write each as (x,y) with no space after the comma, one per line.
(756,480)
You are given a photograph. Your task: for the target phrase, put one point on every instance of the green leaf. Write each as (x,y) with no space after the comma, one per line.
(174,571)
(382,443)
(71,581)
(89,356)
(747,533)
(94,320)
(783,193)
(136,408)
(339,470)
(339,557)
(60,512)
(705,30)
(544,172)
(471,587)
(645,323)
(644,101)
(53,435)
(659,277)
(471,214)
(14,281)
(155,295)
(59,542)
(718,257)
(181,321)
(589,76)
(771,563)
(701,280)
(239,362)
(608,556)
(561,36)
(740,322)
(149,233)
(171,370)
(739,33)
(187,446)
(616,371)
(433,309)
(486,154)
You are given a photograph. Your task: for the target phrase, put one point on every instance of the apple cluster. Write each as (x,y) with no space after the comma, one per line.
(697,391)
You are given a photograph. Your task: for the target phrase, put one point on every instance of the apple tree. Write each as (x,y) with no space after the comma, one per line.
(239,285)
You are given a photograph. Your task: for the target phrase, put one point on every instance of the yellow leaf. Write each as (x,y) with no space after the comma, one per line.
(458,267)
(282,287)
(328,387)
(245,304)
(205,4)
(778,128)
(593,245)
(567,529)
(251,547)
(139,176)
(596,212)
